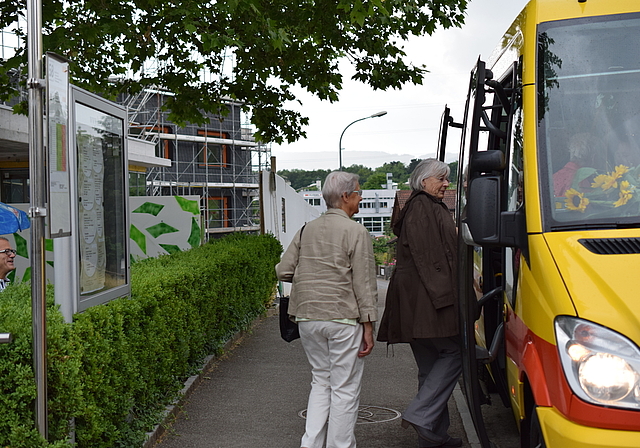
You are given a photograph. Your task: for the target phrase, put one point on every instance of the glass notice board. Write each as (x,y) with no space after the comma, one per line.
(102,211)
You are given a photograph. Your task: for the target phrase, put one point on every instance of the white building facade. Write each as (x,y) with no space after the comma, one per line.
(375,208)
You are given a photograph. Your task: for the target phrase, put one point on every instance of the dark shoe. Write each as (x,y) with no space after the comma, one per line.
(451,442)
(431,439)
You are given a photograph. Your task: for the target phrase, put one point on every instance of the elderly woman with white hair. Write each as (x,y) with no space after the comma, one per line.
(334,300)
(422,305)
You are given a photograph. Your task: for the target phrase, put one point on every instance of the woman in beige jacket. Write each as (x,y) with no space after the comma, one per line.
(334,300)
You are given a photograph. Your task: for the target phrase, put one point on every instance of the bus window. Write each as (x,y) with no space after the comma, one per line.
(589,116)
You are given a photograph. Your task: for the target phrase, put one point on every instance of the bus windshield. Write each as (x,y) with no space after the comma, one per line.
(588,84)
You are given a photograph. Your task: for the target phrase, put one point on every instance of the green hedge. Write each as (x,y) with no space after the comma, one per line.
(114,369)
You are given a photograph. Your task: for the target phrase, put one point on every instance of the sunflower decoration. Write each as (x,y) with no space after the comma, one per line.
(576,200)
(610,180)
(612,189)
(625,194)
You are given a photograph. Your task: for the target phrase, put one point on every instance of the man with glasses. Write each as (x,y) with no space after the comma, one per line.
(7,254)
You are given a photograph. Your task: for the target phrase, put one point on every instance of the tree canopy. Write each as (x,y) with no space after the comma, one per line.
(375,182)
(273,45)
(370,179)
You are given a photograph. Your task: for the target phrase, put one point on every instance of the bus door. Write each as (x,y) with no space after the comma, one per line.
(445,123)
(491,231)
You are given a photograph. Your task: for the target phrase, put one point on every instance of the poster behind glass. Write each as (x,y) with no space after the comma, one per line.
(59,215)
(101,184)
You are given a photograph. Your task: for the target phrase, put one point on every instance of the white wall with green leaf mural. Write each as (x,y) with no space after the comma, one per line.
(159,225)
(163,225)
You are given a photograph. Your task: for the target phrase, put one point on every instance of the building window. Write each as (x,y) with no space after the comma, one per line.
(217,212)
(214,154)
(15,186)
(364,204)
(374,224)
(313,201)
(137,184)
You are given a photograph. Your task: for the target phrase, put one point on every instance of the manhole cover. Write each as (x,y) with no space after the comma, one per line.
(369,414)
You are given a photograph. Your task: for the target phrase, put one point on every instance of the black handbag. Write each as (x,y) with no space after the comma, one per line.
(288,328)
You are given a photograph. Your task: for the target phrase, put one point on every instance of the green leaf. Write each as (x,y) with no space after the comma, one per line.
(150,208)
(160,229)
(188,205)
(21,246)
(27,275)
(194,236)
(139,238)
(171,248)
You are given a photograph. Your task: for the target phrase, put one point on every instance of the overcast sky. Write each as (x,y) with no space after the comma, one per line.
(410,128)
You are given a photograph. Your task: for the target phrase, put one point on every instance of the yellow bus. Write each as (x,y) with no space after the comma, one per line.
(549,225)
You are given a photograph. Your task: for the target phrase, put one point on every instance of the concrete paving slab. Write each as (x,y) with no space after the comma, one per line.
(256,395)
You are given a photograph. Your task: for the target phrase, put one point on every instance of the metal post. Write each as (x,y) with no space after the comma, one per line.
(37,210)
(378,114)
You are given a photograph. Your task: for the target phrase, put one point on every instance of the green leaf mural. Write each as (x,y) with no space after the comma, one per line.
(150,208)
(140,239)
(27,275)
(178,225)
(21,246)
(171,248)
(194,237)
(160,229)
(188,205)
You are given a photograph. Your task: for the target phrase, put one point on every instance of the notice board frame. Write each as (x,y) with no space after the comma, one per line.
(100,215)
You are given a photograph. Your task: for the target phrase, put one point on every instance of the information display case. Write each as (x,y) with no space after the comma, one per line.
(99,143)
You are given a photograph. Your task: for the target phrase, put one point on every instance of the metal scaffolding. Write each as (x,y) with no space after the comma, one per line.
(219,161)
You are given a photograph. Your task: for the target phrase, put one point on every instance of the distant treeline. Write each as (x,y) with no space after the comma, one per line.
(370,179)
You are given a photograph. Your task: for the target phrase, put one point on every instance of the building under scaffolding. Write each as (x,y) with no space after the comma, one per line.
(219,162)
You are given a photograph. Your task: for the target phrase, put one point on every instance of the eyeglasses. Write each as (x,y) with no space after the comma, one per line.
(357,191)
(8,251)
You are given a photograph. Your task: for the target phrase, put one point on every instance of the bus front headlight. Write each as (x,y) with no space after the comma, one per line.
(606,378)
(601,366)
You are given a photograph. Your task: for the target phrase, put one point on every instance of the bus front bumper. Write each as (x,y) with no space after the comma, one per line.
(562,433)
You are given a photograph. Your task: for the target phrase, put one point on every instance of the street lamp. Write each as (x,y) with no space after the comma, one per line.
(378,114)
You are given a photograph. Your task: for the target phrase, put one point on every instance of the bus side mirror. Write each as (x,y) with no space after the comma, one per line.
(488,225)
(483,210)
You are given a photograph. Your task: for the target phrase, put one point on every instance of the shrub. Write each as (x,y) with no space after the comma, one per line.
(115,368)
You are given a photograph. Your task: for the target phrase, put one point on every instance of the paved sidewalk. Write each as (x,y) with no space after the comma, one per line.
(255,396)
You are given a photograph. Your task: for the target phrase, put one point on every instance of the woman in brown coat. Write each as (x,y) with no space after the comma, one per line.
(422,306)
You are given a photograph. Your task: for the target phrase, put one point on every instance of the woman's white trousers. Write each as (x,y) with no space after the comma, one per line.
(332,411)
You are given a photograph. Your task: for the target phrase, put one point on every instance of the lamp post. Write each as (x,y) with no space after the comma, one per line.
(377,114)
